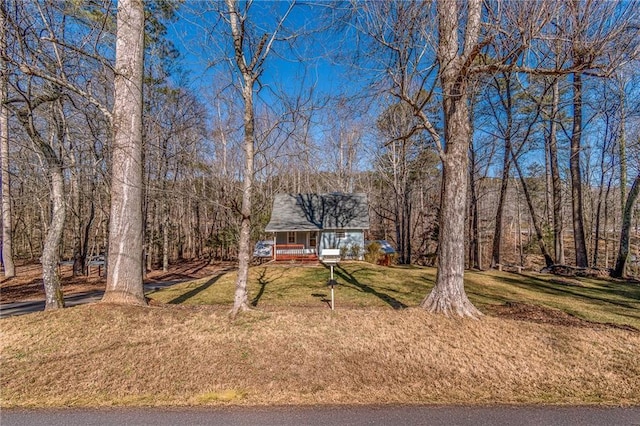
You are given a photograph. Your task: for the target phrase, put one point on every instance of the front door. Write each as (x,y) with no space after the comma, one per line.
(313,240)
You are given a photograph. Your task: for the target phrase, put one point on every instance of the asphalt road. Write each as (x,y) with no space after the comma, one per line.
(328,415)
(21,308)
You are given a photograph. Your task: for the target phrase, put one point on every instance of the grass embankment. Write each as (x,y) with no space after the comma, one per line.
(362,285)
(296,351)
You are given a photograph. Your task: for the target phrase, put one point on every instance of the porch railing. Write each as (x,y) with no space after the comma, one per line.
(294,251)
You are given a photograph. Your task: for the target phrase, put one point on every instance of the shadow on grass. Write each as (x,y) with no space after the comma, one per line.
(263,281)
(350,279)
(323,298)
(589,294)
(188,295)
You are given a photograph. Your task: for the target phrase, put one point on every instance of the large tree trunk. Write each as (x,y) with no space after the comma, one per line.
(623,251)
(580,243)
(50,256)
(556,183)
(448,295)
(7,223)
(240,300)
(124,277)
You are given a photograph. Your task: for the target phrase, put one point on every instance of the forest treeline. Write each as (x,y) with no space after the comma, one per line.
(484,133)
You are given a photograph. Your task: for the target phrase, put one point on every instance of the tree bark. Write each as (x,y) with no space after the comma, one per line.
(50,255)
(240,300)
(582,259)
(7,222)
(623,252)
(124,277)
(448,295)
(556,183)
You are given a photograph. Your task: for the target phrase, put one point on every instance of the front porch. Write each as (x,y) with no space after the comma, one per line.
(295,252)
(299,246)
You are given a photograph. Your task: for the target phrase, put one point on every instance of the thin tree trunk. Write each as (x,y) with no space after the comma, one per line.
(474,232)
(622,148)
(539,235)
(506,164)
(7,223)
(124,277)
(582,260)
(50,255)
(556,183)
(623,252)
(519,228)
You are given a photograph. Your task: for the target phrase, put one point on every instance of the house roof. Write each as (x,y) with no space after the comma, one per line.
(309,212)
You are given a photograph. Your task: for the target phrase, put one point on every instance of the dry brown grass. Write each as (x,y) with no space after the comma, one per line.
(101,355)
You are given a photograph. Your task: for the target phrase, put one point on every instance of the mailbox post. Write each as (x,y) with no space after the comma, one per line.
(331,257)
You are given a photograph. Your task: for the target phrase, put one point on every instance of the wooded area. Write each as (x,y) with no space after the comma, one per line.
(484,133)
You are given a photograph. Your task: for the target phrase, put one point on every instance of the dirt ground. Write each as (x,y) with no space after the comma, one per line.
(27,284)
(542,315)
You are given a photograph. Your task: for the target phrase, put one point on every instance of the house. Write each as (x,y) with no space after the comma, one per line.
(305,224)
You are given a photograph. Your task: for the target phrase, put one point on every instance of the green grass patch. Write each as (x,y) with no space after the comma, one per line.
(362,285)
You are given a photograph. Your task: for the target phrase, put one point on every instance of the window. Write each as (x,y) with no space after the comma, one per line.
(291,237)
(340,234)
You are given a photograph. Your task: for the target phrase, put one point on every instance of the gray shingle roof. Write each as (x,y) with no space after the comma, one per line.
(308,212)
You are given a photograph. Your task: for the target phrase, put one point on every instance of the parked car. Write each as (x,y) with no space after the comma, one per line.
(263,249)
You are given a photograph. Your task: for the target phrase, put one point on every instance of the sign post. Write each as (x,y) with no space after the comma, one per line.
(331,257)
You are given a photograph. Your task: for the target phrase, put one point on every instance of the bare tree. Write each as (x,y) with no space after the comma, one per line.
(556,183)
(7,223)
(124,276)
(448,295)
(50,252)
(623,251)
(250,55)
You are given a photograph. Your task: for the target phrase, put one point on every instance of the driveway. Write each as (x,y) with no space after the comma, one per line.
(21,308)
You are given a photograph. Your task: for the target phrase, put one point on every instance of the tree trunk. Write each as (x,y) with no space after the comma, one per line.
(582,259)
(448,295)
(539,235)
(240,300)
(124,277)
(50,256)
(474,231)
(622,147)
(556,183)
(623,252)
(506,165)
(7,223)
(602,198)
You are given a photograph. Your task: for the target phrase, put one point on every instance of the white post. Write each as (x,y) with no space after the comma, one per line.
(332,303)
